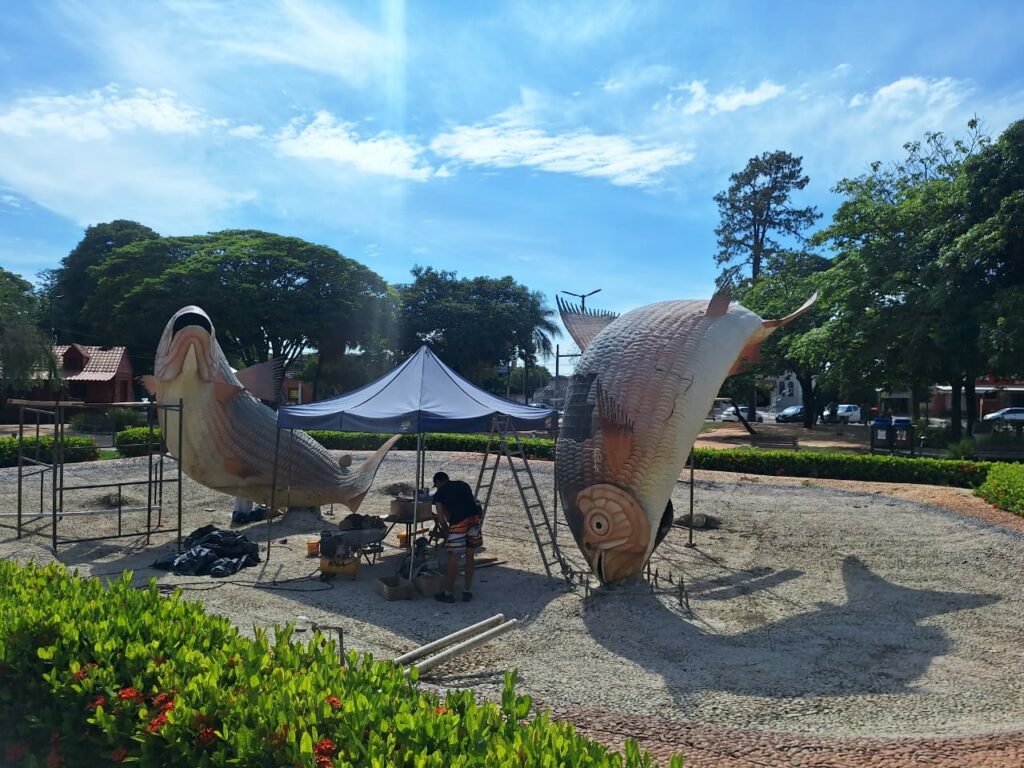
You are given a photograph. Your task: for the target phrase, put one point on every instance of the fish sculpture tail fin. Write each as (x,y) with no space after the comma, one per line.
(363,478)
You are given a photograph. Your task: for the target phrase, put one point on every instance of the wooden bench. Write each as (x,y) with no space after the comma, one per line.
(770,442)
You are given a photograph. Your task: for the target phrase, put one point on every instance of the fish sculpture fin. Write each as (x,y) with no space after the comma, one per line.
(804,308)
(239,468)
(224,391)
(363,478)
(151,384)
(719,303)
(263,379)
(616,430)
(583,324)
(750,355)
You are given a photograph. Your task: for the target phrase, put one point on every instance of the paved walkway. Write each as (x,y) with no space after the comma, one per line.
(711,747)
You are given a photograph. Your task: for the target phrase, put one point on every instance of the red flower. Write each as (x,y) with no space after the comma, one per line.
(119,754)
(324,747)
(15,752)
(80,675)
(324,761)
(334,701)
(157,723)
(99,701)
(442,710)
(205,736)
(129,694)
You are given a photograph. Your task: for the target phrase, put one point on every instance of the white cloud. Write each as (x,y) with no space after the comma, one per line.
(100,114)
(511,142)
(729,100)
(247,131)
(574,23)
(911,97)
(628,79)
(326,138)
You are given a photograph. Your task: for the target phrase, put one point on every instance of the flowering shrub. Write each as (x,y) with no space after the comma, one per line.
(94,676)
(1004,487)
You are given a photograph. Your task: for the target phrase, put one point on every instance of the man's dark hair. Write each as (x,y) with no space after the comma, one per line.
(439,476)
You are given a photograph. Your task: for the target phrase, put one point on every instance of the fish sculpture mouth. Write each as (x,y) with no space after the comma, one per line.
(614,531)
(187,344)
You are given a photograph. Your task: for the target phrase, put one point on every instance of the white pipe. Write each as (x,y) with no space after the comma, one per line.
(449,639)
(455,650)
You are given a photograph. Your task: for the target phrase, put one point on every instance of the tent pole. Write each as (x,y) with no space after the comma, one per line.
(420,461)
(273,484)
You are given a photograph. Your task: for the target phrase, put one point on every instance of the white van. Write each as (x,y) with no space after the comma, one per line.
(846,413)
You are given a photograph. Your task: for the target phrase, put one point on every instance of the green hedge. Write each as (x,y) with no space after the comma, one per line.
(92,676)
(837,466)
(75,449)
(136,441)
(1004,487)
(842,466)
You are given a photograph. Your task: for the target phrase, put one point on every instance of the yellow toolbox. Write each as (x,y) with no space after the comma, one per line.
(333,566)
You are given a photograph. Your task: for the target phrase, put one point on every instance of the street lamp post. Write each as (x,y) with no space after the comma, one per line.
(582,297)
(53,325)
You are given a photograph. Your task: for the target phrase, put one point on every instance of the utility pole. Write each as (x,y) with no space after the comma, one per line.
(53,325)
(582,297)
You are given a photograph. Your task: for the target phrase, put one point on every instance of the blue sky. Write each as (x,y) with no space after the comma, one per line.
(573,145)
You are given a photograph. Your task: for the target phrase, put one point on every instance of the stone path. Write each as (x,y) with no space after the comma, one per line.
(710,747)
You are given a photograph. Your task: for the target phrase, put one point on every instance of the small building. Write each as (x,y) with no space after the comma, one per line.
(992,394)
(89,374)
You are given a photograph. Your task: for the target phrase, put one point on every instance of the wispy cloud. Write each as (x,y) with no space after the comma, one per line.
(100,114)
(631,78)
(327,138)
(912,97)
(510,143)
(698,99)
(575,23)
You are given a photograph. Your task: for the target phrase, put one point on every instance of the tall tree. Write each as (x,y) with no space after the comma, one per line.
(476,323)
(756,209)
(269,296)
(69,288)
(23,348)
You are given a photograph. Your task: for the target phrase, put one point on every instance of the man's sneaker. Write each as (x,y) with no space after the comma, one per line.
(467,596)
(444,597)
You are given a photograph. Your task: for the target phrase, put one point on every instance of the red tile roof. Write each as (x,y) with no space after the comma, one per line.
(100,363)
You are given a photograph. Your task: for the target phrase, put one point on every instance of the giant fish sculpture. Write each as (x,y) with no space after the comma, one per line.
(230,438)
(634,406)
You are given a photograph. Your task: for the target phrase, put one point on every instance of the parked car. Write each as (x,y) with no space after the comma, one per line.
(845,414)
(791,414)
(1012,415)
(729,414)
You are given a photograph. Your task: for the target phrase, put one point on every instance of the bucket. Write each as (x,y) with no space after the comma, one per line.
(312,547)
(403,537)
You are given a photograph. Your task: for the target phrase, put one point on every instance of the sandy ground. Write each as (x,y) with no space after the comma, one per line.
(836,609)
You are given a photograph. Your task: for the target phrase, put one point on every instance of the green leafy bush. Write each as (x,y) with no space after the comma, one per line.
(90,676)
(137,441)
(114,420)
(75,449)
(1004,487)
(841,466)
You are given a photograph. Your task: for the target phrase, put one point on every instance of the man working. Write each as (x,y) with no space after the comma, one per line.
(459,516)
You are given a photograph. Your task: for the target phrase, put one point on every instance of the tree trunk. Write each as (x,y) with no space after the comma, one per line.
(810,397)
(972,402)
(316,374)
(956,412)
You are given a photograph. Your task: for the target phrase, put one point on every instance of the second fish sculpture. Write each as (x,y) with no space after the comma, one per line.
(634,406)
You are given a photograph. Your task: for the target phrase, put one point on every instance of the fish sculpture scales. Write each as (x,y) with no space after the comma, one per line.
(634,406)
(230,438)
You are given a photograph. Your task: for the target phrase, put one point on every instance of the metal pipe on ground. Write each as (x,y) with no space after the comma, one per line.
(423,650)
(455,650)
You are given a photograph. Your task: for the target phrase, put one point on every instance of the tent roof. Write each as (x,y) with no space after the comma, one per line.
(421,395)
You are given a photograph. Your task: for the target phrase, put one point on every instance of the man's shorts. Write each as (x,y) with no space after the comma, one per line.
(464,535)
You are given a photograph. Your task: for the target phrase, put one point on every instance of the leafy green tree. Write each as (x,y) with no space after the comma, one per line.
(269,296)
(756,208)
(474,324)
(24,349)
(71,286)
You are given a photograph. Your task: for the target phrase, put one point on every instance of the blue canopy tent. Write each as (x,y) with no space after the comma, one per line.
(420,396)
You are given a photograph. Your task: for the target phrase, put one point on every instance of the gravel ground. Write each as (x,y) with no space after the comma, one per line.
(823,610)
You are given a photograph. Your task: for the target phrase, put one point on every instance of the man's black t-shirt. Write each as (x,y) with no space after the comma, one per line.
(457,497)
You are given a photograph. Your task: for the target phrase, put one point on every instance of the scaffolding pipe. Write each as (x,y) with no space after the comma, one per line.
(464,646)
(449,639)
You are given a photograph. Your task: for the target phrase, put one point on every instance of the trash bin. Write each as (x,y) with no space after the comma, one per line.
(903,435)
(882,434)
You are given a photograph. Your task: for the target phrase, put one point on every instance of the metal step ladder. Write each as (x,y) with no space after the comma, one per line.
(503,441)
